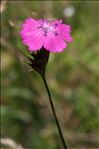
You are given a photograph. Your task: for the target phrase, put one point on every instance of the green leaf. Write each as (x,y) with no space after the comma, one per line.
(25,51)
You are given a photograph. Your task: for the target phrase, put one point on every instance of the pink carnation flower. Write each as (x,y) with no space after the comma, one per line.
(53,36)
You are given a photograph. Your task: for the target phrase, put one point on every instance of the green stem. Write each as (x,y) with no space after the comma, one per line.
(54,113)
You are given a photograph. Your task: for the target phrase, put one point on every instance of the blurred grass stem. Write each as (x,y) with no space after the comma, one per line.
(54,113)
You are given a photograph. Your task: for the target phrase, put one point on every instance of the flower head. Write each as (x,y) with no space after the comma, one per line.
(52,36)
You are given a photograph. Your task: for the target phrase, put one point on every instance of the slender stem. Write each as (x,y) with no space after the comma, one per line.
(54,113)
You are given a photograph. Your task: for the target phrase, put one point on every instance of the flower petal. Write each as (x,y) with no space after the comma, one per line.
(64,28)
(32,36)
(68,38)
(54,43)
(64,32)
(29,23)
(56,22)
(34,42)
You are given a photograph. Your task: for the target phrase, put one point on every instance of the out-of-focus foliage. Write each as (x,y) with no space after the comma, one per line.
(73,78)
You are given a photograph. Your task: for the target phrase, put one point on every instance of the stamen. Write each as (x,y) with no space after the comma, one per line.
(56,34)
(56,24)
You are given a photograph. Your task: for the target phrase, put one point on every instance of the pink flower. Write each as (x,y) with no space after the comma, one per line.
(53,36)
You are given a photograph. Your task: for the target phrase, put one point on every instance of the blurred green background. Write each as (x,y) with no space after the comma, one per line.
(73,77)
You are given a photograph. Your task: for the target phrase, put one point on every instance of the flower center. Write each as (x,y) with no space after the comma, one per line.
(46,27)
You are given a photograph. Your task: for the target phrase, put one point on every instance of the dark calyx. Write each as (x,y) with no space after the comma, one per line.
(40,61)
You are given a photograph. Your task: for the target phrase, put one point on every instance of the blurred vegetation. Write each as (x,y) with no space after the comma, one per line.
(73,77)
